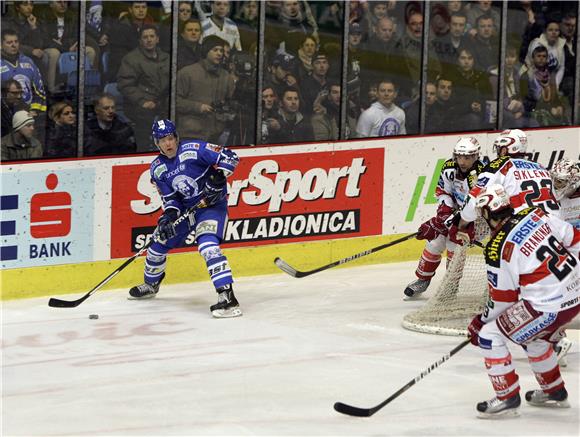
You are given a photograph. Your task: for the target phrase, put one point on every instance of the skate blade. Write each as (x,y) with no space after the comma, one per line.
(505,414)
(551,404)
(148,296)
(227,313)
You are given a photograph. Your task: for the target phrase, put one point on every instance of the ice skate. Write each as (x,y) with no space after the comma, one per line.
(145,290)
(498,409)
(561,349)
(558,399)
(416,287)
(227,305)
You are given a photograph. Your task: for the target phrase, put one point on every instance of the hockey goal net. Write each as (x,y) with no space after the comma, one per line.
(461,294)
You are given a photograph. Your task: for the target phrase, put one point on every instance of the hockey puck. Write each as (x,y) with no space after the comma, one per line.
(93,316)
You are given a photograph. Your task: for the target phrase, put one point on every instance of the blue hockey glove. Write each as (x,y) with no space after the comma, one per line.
(165,229)
(213,191)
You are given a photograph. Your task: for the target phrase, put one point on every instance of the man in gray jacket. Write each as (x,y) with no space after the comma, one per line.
(204,89)
(143,79)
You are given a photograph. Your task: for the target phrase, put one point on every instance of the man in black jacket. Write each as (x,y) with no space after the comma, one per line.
(107,134)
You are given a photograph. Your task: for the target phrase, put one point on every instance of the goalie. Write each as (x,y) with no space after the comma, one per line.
(458,177)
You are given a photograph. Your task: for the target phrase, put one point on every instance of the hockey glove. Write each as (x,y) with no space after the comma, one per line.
(213,191)
(462,236)
(474,328)
(165,229)
(434,227)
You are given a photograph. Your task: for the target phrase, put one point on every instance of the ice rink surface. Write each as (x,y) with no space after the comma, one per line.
(165,367)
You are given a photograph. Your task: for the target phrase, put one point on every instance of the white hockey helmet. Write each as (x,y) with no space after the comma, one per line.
(515,140)
(467,146)
(493,202)
(566,177)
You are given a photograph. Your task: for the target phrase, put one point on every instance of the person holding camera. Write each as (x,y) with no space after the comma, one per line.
(201,89)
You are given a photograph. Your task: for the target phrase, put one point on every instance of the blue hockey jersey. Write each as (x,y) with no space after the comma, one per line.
(181,179)
(27,74)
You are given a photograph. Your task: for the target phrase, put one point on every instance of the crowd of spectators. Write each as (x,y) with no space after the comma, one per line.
(128,71)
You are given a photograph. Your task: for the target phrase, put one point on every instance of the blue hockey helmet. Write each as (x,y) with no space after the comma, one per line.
(162,128)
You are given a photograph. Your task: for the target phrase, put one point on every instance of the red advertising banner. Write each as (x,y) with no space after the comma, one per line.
(272,199)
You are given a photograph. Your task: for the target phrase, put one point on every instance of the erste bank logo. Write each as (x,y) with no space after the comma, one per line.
(46,218)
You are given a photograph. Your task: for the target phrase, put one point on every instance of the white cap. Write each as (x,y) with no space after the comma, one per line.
(21,119)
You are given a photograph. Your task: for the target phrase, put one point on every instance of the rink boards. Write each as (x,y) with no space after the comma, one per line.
(67,224)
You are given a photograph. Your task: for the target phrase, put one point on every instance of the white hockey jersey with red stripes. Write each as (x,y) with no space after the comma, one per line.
(453,189)
(533,256)
(526,182)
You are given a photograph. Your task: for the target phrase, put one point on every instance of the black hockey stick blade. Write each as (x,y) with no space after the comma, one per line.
(287,268)
(350,410)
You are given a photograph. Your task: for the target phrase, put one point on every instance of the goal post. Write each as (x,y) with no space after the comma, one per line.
(460,296)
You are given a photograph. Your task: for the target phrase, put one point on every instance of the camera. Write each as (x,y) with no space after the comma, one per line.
(226,111)
(244,65)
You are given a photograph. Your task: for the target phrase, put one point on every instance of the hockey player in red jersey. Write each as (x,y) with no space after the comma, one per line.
(458,176)
(534,290)
(526,183)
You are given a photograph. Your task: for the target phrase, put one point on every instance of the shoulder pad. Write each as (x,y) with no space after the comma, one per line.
(213,147)
(450,163)
(496,164)
(158,169)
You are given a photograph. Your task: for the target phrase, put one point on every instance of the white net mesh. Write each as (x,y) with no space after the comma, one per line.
(461,295)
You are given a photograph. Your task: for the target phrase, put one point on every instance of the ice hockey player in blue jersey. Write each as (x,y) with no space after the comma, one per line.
(187,173)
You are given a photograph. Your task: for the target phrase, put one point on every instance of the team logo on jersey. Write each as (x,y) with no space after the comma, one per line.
(186,186)
(389,127)
(492,278)
(184,156)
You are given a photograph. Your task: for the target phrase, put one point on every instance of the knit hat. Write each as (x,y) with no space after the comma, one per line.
(21,119)
(209,43)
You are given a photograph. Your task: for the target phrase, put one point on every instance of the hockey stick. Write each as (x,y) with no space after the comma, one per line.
(367,412)
(285,267)
(58,303)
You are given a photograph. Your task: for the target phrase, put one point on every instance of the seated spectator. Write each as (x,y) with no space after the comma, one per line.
(27,26)
(331,17)
(376,11)
(555,45)
(513,115)
(143,80)
(525,21)
(568,32)
(305,54)
(11,103)
(478,9)
(542,101)
(314,84)
(413,110)
(61,139)
(106,133)
(443,114)
(127,32)
(294,126)
(281,73)
(202,90)
(14,65)
(446,47)
(484,45)
(384,39)
(326,120)
(472,93)
(188,44)
(184,13)
(383,118)
(270,123)
(60,34)
(97,30)
(220,25)
(20,144)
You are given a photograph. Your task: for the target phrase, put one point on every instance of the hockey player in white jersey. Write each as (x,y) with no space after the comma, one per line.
(527,183)
(534,291)
(458,176)
(566,179)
